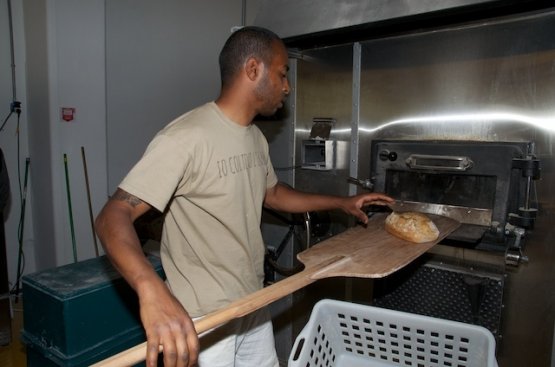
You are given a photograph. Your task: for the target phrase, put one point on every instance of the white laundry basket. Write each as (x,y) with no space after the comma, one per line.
(353,335)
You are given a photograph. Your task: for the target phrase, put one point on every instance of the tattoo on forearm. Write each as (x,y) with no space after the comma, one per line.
(125,196)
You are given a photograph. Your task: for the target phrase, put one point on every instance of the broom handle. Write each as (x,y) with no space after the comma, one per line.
(239,308)
(91,216)
(68,192)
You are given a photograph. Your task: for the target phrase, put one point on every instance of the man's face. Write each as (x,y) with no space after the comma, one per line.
(273,87)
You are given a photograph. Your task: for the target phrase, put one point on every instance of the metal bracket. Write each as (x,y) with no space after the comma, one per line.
(365,184)
(513,254)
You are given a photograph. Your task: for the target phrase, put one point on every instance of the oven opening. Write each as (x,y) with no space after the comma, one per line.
(439,188)
(473,195)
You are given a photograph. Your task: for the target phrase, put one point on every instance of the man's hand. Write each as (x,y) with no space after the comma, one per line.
(169,326)
(353,205)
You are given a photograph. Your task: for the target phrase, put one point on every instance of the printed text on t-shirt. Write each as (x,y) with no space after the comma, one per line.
(241,162)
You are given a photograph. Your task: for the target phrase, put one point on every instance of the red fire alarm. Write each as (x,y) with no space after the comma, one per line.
(68,113)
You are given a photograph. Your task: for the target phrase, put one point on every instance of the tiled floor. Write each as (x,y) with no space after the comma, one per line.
(13,355)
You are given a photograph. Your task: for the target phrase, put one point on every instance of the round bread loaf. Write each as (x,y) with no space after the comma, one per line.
(411,226)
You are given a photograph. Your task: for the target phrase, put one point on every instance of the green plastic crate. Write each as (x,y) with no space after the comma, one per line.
(80,313)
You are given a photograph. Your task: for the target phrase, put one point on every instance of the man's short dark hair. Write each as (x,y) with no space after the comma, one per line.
(242,44)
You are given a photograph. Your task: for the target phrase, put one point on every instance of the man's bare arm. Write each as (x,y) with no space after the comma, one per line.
(114,226)
(284,198)
(165,320)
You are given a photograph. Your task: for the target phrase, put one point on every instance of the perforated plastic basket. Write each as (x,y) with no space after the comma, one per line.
(352,335)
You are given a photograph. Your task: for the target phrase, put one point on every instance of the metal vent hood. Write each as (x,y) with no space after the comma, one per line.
(309,22)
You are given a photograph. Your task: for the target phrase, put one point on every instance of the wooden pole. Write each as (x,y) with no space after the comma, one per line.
(91,216)
(68,191)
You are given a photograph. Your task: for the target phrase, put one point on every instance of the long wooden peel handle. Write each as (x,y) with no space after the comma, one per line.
(239,308)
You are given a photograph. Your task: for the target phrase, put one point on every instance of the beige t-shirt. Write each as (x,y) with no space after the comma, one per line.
(212,175)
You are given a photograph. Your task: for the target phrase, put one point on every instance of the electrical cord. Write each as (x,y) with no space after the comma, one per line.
(15,105)
(290,168)
(15,108)
(6,120)
(20,229)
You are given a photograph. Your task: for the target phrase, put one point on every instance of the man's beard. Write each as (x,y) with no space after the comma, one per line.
(263,94)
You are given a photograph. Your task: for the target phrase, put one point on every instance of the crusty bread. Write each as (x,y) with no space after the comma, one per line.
(411,226)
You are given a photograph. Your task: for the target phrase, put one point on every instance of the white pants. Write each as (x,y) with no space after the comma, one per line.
(244,342)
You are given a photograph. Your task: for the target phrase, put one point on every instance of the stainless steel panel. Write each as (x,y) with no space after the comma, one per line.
(482,82)
(299,17)
(324,89)
(355,123)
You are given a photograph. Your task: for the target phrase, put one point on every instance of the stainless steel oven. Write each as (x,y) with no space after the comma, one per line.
(487,186)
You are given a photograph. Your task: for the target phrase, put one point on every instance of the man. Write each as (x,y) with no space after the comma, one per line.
(210,171)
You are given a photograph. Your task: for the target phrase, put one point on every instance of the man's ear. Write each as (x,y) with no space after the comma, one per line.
(253,68)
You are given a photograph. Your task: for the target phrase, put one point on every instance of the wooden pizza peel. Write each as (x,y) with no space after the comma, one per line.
(362,251)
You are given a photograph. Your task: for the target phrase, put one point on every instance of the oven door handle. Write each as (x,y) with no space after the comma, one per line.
(439,162)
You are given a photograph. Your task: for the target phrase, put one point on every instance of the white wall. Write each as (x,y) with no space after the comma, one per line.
(64,42)
(128,67)
(161,61)
(77,72)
